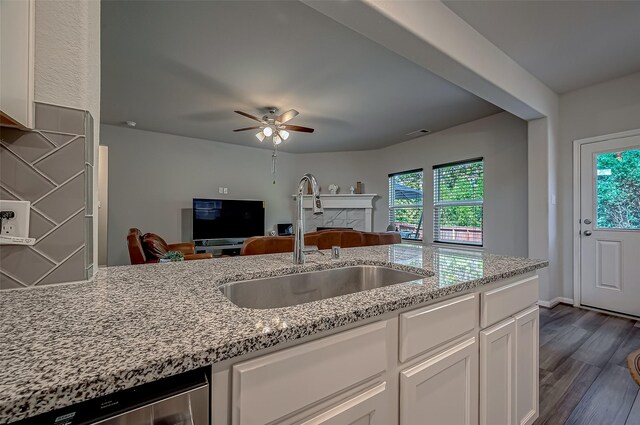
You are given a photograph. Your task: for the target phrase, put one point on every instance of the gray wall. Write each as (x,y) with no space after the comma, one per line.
(153,177)
(501,139)
(606,108)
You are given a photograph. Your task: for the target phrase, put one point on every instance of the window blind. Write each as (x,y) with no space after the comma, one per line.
(406,203)
(458,202)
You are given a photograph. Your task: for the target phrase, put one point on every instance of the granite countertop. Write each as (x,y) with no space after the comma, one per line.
(136,324)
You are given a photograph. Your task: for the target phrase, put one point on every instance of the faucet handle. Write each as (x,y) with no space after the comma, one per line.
(312,249)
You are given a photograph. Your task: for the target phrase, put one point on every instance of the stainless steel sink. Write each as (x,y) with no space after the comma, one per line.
(294,289)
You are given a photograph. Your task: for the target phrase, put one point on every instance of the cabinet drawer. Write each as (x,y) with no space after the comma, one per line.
(426,328)
(500,303)
(270,387)
(362,409)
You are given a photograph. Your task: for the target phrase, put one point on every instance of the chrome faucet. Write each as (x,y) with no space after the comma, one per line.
(316,205)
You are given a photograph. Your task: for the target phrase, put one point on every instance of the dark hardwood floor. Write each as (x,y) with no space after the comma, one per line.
(583,375)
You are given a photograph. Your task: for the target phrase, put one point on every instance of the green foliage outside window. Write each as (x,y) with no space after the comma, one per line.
(461,217)
(405,204)
(463,182)
(411,181)
(618,190)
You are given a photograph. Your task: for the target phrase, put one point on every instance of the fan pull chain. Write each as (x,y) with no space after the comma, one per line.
(274,156)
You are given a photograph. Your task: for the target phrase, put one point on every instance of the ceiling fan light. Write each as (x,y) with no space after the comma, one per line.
(260,136)
(276,139)
(267,131)
(284,134)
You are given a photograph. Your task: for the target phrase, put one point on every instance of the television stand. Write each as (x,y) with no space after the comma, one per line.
(219,247)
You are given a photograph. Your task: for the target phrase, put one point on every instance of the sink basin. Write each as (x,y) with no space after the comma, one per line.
(294,289)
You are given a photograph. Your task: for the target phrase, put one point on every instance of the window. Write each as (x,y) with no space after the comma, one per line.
(458,192)
(405,203)
(618,190)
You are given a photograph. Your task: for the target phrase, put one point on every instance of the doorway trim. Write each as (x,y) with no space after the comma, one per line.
(577,144)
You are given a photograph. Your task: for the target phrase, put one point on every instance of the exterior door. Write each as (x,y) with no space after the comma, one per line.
(610,225)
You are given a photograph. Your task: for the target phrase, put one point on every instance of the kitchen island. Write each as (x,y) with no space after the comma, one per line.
(136,324)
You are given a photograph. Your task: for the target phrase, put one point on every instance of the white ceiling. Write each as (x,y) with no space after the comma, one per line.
(565,44)
(183,67)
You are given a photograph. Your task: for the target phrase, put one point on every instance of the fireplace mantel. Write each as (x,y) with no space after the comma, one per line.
(342,210)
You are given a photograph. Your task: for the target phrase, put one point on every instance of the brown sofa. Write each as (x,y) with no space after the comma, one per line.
(323,239)
(149,248)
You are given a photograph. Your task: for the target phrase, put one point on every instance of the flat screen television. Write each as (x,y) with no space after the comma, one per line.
(227,218)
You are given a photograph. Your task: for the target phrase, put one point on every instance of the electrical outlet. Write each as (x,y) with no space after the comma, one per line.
(226,190)
(18,225)
(8,229)
(221,190)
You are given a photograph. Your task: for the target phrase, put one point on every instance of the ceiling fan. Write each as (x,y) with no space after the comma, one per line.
(271,125)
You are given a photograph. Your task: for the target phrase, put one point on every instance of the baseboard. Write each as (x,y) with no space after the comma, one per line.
(554,302)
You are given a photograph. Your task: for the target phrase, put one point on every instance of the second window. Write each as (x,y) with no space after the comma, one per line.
(458,190)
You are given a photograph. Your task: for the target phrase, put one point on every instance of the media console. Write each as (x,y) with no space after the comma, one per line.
(228,246)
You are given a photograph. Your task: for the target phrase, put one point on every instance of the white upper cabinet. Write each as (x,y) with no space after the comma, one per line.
(17,57)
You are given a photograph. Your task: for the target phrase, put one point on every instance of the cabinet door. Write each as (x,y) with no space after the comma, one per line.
(276,385)
(17,62)
(497,377)
(526,403)
(443,389)
(363,409)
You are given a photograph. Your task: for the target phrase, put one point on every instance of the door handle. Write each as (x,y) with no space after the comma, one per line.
(587,233)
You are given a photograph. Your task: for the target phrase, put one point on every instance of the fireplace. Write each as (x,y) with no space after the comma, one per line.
(341,211)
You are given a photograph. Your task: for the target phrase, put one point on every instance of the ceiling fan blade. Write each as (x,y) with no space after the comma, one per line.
(249,116)
(297,128)
(247,128)
(286,116)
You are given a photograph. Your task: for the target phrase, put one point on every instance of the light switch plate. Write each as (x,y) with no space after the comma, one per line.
(18,226)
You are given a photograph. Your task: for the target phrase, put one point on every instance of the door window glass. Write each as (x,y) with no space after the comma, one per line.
(618,190)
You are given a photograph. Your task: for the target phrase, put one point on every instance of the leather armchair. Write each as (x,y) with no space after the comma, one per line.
(149,248)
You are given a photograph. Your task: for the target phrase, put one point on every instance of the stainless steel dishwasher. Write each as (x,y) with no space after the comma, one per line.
(178,400)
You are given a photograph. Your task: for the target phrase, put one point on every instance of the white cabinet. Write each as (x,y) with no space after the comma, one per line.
(276,386)
(526,403)
(427,328)
(509,371)
(467,360)
(17,62)
(363,409)
(443,389)
(497,378)
(509,299)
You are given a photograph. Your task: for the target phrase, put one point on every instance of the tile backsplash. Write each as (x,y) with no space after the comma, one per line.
(51,166)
